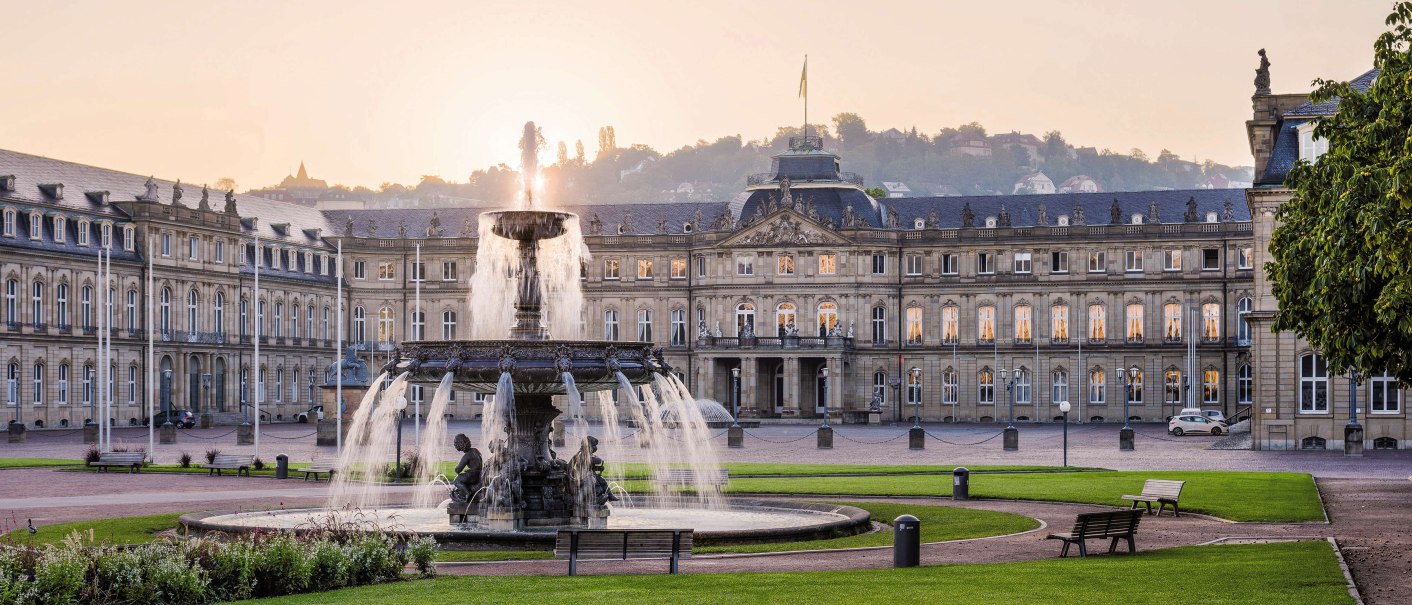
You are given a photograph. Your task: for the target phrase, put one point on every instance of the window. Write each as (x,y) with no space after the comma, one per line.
(879,323)
(88,385)
(279,320)
(985,325)
(1310,147)
(949,264)
(828,264)
(1022,324)
(385,325)
(193,248)
(701,266)
(679,268)
(1022,385)
(679,324)
(1172,387)
(448,270)
(880,387)
(1059,324)
(785,318)
(279,384)
(132,310)
(644,268)
(294,386)
(950,390)
(218,250)
(914,388)
(985,390)
(744,316)
(191,305)
(611,269)
(260,315)
(1096,262)
(1133,261)
(1058,262)
(1385,395)
(1211,259)
(880,265)
(132,386)
(985,263)
(218,312)
(85,303)
(1245,257)
(1210,386)
(36,225)
(36,310)
(324,327)
(1023,264)
(61,305)
(418,271)
(1243,307)
(828,319)
(360,269)
(950,324)
(1058,386)
(1211,322)
(165,312)
(1172,260)
(644,325)
(309,323)
(12,384)
(1172,322)
(1134,322)
(166,243)
(419,325)
(914,325)
(387,271)
(745,264)
(38,385)
(360,323)
(9,223)
(12,302)
(1135,389)
(1313,384)
(448,325)
(129,238)
(610,324)
(914,264)
(60,230)
(63,383)
(1245,386)
(1097,323)
(83,237)
(106,233)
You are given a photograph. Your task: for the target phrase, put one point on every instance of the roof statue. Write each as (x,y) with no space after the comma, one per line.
(696,219)
(230,202)
(626,226)
(722,222)
(372,228)
(1004,219)
(968,217)
(1190,215)
(176,193)
(1116,213)
(151,194)
(1228,214)
(595,225)
(402,228)
(348,226)
(787,200)
(1153,215)
(1043,214)
(1079,215)
(468,227)
(662,226)
(1262,75)
(205,203)
(933,219)
(434,229)
(892,219)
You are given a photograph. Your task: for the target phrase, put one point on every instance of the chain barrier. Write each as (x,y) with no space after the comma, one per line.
(620,439)
(890,439)
(806,436)
(1155,437)
(930,434)
(295,437)
(195,436)
(56,433)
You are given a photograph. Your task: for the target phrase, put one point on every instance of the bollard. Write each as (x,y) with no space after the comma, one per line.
(17,432)
(166,434)
(906,541)
(735,436)
(961,483)
(207,421)
(282,466)
(1011,439)
(90,431)
(1125,440)
(1353,440)
(825,437)
(916,438)
(245,434)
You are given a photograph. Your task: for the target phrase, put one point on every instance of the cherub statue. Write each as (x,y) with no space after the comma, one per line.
(468,471)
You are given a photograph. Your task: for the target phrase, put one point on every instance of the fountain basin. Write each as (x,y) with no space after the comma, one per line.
(528,225)
(535,366)
(745,521)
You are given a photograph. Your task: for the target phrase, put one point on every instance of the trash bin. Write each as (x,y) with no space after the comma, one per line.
(906,541)
(961,483)
(282,466)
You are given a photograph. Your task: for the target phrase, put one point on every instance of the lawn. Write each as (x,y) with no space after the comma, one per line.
(33,462)
(1237,496)
(122,530)
(939,523)
(1297,572)
(747,469)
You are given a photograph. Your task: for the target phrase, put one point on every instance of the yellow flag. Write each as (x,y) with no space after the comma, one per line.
(804,78)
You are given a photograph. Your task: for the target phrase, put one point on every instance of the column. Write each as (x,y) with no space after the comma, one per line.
(835,394)
(791,387)
(749,387)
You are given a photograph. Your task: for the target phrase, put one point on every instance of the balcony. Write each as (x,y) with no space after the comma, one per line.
(66,329)
(40,326)
(134,333)
(217,338)
(245,339)
(87,330)
(775,342)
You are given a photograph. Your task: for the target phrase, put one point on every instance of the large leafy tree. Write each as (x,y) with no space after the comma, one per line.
(1342,257)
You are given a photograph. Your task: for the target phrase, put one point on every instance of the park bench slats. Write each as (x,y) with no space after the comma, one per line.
(321,465)
(622,545)
(238,463)
(132,460)
(1161,491)
(685,476)
(1115,525)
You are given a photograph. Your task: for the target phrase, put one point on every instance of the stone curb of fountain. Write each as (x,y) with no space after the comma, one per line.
(1347,573)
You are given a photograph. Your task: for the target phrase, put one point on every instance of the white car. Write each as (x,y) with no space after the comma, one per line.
(1216,415)
(1192,423)
(317,412)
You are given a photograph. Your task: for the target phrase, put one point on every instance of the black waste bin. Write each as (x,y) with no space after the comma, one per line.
(282,466)
(961,483)
(906,541)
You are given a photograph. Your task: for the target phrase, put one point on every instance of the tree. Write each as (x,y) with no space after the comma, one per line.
(1342,253)
(225,183)
(563,153)
(876,193)
(578,151)
(851,130)
(607,141)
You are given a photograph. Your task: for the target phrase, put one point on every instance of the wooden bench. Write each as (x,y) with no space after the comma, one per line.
(239,464)
(686,476)
(622,545)
(320,466)
(1161,491)
(1116,525)
(132,460)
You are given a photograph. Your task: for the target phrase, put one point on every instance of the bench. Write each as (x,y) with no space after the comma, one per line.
(1161,491)
(622,545)
(229,462)
(1121,524)
(132,460)
(320,466)
(686,476)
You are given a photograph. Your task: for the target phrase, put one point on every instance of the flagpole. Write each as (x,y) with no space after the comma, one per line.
(421,327)
(103,436)
(338,358)
(151,361)
(259,325)
(108,334)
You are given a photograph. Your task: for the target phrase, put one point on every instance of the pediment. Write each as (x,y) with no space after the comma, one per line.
(785,227)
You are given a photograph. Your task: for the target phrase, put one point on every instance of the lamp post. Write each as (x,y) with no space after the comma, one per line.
(1129,378)
(916,436)
(1353,432)
(824,438)
(896,384)
(735,435)
(167,433)
(400,406)
(1012,434)
(1064,408)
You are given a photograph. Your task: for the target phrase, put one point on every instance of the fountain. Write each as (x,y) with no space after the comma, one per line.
(521,486)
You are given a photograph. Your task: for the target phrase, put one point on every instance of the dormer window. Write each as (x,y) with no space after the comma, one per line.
(1210,217)
(1063,220)
(1137,219)
(83,233)
(7,183)
(106,231)
(129,238)
(59,229)
(687,227)
(919,223)
(53,190)
(1310,147)
(9,222)
(36,225)
(989,222)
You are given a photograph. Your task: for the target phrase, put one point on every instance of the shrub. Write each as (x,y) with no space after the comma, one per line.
(211,455)
(258,464)
(280,567)
(170,579)
(92,454)
(328,565)
(118,576)
(422,552)
(60,575)
(184,460)
(372,559)
(230,568)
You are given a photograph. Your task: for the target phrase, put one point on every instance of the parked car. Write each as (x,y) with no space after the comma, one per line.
(1216,415)
(1192,423)
(316,412)
(180,418)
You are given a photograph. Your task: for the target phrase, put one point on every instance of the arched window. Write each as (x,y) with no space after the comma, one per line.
(1058,385)
(950,387)
(985,391)
(294,319)
(744,315)
(360,325)
(678,319)
(1211,322)
(785,318)
(1172,322)
(36,312)
(191,322)
(448,325)
(1134,322)
(218,314)
(132,388)
(279,321)
(1313,384)
(879,319)
(1022,385)
(38,385)
(1059,324)
(132,319)
(294,386)
(324,328)
(12,302)
(914,388)
(950,324)
(914,325)
(385,325)
(279,384)
(1172,386)
(309,322)
(419,325)
(1135,391)
(1245,386)
(1023,315)
(880,387)
(828,318)
(166,312)
(88,385)
(985,325)
(1097,323)
(12,384)
(1096,386)
(1210,386)
(644,325)
(610,324)
(63,384)
(61,306)
(1243,308)
(85,306)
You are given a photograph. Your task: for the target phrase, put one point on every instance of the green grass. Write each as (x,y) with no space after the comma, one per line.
(1237,496)
(122,530)
(33,462)
(447,556)
(1299,572)
(939,523)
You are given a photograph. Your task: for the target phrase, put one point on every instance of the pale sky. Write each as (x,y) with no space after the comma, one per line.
(367,92)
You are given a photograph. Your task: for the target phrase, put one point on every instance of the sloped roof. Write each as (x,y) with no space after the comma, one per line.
(464,222)
(1327,108)
(1024,209)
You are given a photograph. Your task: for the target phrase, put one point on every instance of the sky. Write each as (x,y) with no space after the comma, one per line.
(370,92)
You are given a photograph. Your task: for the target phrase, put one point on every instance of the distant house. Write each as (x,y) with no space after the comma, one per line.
(1088,152)
(1080,183)
(972,145)
(622,174)
(896,189)
(1221,182)
(893,134)
(1036,182)
(1028,142)
(686,187)
(945,191)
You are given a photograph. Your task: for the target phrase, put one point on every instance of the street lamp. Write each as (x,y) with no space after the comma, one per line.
(827,387)
(1353,432)
(1064,408)
(1128,377)
(400,406)
(915,391)
(735,393)
(166,395)
(1010,394)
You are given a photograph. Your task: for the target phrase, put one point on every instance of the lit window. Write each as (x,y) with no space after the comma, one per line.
(1096,386)
(950,324)
(914,325)
(1097,262)
(1172,260)
(387,271)
(785,317)
(1211,322)
(985,391)
(1023,315)
(828,319)
(1210,386)
(1245,257)
(1172,387)
(386,325)
(985,320)
(744,316)
(1097,323)
(679,268)
(1172,322)
(784,264)
(644,268)
(1059,324)
(1134,322)
(828,264)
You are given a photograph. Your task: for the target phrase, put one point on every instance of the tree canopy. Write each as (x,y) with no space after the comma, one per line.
(1341,267)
